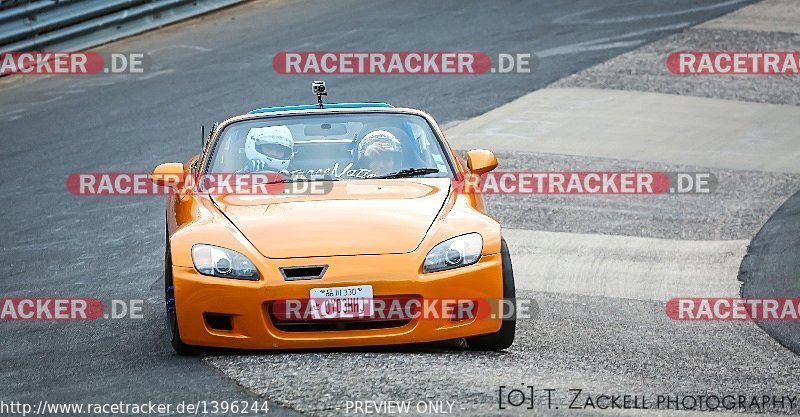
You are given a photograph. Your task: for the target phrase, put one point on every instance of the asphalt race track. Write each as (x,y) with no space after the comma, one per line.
(599,268)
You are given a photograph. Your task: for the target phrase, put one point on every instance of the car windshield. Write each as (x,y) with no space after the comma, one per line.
(332,147)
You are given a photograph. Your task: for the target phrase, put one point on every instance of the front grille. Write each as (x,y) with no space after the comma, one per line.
(338,325)
(324,325)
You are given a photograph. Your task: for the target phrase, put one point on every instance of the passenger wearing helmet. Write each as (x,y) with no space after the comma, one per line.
(269,148)
(380,152)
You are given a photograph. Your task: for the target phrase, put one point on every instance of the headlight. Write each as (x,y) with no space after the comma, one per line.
(454,253)
(221,262)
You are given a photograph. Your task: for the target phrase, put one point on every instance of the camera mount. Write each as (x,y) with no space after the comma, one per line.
(318,88)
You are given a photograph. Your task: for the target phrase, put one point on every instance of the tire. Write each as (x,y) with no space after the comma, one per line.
(503,338)
(169,302)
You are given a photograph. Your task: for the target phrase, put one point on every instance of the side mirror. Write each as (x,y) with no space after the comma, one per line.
(168,175)
(481,161)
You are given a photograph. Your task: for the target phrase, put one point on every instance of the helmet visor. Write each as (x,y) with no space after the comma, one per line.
(274,150)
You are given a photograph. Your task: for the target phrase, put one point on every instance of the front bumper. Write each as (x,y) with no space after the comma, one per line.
(246,302)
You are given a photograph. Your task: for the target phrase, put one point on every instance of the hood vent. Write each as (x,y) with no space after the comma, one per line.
(297,273)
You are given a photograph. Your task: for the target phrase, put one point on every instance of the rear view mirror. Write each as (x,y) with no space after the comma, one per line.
(326,129)
(481,161)
(168,175)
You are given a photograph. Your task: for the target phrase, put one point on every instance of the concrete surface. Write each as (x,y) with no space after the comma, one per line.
(640,126)
(624,266)
(766,16)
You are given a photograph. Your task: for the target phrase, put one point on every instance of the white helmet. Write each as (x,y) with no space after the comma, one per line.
(279,141)
(380,141)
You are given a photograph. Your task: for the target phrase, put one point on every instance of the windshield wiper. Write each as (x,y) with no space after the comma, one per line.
(409,172)
(326,177)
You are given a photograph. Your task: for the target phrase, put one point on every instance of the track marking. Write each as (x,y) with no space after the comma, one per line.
(624,266)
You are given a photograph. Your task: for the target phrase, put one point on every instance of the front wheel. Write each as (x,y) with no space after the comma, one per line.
(169,300)
(503,338)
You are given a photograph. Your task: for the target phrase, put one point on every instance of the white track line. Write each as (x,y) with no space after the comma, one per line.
(623,266)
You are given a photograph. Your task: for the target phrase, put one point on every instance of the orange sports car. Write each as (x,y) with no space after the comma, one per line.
(332,225)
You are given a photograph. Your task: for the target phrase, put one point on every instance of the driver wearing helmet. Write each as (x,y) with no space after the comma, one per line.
(269,148)
(380,152)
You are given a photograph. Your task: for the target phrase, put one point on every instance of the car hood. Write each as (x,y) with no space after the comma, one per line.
(354,218)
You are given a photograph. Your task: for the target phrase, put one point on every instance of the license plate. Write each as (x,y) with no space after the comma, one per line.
(341,302)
